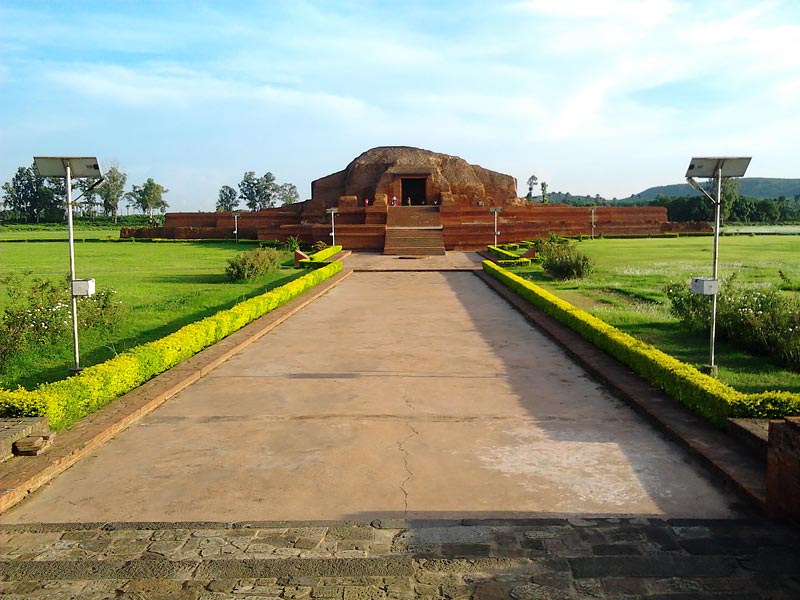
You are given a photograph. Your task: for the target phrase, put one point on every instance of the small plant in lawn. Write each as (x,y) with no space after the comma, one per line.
(564,261)
(292,243)
(319,246)
(253,263)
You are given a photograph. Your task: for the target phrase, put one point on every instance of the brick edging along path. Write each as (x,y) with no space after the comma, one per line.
(23,475)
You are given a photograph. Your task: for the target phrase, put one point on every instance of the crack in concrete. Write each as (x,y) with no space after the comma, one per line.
(401,448)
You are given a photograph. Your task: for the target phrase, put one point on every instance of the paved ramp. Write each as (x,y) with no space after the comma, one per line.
(395,395)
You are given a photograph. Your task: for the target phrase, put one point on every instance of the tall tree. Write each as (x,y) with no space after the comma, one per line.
(149,197)
(228,199)
(543,185)
(258,193)
(287,194)
(112,190)
(532,181)
(34,198)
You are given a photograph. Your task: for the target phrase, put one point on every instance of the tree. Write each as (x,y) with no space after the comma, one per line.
(111,190)
(532,181)
(287,194)
(228,199)
(34,198)
(543,185)
(149,197)
(88,196)
(258,193)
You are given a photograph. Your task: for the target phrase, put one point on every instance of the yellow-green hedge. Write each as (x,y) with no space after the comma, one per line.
(64,402)
(319,259)
(501,253)
(703,394)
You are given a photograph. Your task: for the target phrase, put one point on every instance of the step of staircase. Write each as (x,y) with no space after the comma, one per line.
(414,231)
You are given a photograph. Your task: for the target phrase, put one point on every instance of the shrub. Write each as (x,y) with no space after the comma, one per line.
(253,263)
(502,253)
(758,320)
(292,243)
(37,314)
(564,261)
(319,246)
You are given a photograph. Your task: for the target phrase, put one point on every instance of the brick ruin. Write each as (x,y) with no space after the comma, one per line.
(404,200)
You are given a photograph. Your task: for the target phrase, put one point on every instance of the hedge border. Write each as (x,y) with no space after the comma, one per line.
(701,393)
(66,401)
(319,259)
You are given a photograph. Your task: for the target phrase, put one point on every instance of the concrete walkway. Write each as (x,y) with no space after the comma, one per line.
(395,395)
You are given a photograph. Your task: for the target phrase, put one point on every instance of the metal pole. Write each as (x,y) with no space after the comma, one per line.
(236,227)
(333,229)
(495,228)
(715,269)
(76,353)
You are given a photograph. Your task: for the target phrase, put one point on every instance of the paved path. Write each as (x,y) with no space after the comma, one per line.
(540,559)
(401,395)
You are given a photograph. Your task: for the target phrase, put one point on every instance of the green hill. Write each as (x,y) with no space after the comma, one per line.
(754,187)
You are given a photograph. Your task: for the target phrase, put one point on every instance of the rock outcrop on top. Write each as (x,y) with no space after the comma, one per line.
(448,179)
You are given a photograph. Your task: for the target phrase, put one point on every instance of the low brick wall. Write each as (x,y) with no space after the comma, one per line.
(783,468)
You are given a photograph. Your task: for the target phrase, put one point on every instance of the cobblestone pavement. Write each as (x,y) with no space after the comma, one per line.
(537,559)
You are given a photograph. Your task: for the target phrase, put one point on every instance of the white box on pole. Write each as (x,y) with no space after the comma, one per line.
(83,287)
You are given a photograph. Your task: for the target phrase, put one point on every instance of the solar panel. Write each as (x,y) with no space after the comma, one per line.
(56,166)
(732,166)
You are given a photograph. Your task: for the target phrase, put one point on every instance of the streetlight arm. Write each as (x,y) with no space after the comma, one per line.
(692,182)
(89,189)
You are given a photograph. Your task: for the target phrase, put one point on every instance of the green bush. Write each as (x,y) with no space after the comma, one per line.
(701,393)
(759,320)
(292,243)
(564,261)
(65,402)
(519,262)
(502,253)
(37,313)
(253,263)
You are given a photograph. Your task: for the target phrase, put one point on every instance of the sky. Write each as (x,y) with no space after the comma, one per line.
(604,97)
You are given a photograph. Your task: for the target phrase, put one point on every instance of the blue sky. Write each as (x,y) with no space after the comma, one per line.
(594,96)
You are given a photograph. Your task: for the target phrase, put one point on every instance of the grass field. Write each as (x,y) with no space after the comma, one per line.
(162,287)
(626,290)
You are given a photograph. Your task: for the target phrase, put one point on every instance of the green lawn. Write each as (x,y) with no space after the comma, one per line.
(162,287)
(626,290)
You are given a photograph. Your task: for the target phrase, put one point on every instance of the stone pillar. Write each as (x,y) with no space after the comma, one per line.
(783,468)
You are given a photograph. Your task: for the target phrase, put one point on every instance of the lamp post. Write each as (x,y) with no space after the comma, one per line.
(714,168)
(69,167)
(333,212)
(236,226)
(494,210)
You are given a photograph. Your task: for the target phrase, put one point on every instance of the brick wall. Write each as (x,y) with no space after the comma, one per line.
(783,468)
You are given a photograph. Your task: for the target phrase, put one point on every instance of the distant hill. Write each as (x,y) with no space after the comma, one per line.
(754,187)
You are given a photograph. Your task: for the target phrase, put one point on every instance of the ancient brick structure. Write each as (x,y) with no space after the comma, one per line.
(783,468)
(387,193)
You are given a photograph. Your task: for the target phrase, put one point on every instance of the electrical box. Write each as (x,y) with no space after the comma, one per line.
(705,286)
(83,287)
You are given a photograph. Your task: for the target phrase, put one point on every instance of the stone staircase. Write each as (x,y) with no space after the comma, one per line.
(414,231)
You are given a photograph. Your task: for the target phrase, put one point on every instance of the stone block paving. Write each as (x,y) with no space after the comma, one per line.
(535,559)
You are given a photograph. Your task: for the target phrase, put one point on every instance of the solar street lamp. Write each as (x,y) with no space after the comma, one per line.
(494,210)
(69,167)
(236,226)
(716,168)
(333,212)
